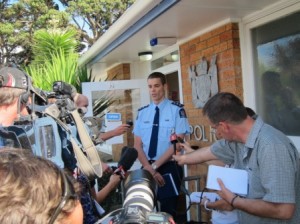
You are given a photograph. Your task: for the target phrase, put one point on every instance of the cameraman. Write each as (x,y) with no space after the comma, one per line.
(82,102)
(14,95)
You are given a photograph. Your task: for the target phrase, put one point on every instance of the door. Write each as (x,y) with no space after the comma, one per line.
(96,90)
(121,96)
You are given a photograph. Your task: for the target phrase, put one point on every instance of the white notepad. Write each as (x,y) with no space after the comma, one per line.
(236,180)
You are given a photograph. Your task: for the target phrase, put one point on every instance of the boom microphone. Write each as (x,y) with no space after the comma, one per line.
(128,156)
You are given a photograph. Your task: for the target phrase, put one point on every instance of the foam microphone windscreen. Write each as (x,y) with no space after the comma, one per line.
(128,156)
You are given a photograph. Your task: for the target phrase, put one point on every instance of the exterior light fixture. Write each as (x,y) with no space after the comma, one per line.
(174,56)
(145,56)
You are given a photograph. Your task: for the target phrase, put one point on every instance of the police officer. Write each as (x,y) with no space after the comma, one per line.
(154,125)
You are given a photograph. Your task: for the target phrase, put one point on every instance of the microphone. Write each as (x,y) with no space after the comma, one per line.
(173,140)
(128,156)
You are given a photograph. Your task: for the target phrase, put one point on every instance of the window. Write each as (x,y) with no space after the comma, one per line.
(165,60)
(276,52)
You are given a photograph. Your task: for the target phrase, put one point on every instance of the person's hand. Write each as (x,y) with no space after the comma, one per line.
(179,159)
(114,180)
(121,129)
(156,175)
(159,179)
(224,193)
(186,147)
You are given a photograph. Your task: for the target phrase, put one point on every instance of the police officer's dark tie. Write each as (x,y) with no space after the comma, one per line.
(154,135)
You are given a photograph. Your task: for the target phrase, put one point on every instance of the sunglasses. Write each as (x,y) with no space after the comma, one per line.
(68,193)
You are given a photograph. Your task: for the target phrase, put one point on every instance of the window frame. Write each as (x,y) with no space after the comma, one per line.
(271,13)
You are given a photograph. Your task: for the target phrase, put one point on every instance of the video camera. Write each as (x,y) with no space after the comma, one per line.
(138,206)
(62,88)
(63,93)
(41,132)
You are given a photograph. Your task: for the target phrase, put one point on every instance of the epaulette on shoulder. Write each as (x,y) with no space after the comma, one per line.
(177,104)
(143,107)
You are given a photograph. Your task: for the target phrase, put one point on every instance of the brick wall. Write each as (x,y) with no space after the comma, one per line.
(223,41)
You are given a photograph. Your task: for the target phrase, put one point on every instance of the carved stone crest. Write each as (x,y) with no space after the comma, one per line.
(204,81)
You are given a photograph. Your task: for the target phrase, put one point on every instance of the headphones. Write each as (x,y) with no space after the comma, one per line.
(24,97)
(23,100)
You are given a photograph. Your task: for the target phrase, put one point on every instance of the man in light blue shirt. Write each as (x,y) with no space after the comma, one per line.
(172,120)
(269,157)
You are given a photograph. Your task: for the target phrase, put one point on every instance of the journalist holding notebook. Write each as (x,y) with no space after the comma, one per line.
(269,157)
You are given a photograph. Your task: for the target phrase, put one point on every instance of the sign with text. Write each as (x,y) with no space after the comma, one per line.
(112,121)
(113,117)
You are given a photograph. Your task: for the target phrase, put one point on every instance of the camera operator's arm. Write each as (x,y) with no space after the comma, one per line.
(115,132)
(113,183)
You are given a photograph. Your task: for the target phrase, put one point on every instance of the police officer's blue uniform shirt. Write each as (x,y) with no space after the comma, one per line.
(172,117)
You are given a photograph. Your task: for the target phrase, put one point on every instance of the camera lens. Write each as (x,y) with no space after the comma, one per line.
(129,122)
(140,190)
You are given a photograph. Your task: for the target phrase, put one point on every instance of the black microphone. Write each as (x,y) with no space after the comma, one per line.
(128,156)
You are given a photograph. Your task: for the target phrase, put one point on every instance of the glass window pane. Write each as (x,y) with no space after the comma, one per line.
(276,47)
(115,101)
(165,60)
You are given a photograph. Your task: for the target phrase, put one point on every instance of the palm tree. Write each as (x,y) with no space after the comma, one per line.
(56,59)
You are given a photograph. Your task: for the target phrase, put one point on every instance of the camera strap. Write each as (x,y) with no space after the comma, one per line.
(87,144)
(90,165)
